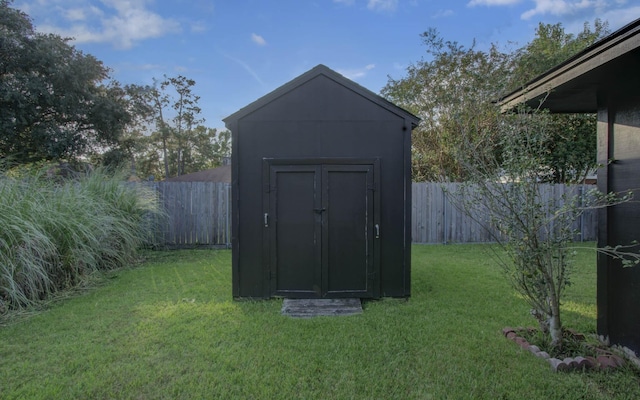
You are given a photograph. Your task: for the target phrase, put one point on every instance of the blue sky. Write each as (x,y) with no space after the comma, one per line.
(239,50)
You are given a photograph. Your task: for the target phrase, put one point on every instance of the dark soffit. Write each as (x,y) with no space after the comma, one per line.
(331,74)
(608,67)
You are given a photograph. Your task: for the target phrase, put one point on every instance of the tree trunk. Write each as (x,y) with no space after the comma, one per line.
(555,326)
(164,131)
(164,155)
(133,166)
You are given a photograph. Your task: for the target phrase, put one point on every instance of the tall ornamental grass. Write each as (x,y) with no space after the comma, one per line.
(55,234)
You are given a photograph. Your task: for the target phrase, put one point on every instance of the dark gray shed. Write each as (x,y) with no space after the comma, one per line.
(321,188)
(605,78)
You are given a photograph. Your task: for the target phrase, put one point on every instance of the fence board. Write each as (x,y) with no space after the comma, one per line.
(436,219)
(198,214)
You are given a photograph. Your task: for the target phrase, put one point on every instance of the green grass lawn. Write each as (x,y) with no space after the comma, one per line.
(169,329)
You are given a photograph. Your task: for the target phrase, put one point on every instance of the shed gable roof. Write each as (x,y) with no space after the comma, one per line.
(610,65)
(321,70)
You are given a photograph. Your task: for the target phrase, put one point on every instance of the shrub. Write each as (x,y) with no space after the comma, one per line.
(56,233)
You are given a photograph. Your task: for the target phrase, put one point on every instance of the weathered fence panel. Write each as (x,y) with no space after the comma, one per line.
(199,214)
(436,219)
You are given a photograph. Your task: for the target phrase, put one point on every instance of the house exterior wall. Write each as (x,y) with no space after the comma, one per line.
(321,119)
(619,153)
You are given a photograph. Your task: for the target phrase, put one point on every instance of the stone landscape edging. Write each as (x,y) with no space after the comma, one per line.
(605,360)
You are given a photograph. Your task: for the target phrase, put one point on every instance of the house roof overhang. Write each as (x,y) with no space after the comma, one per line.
(609,67)
(331,74)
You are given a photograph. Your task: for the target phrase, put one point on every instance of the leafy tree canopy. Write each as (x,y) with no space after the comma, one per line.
(53,102)
(167,137)
(571,146)
(453,91)
(551,46)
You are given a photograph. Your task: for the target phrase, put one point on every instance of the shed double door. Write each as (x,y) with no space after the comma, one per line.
(322,227)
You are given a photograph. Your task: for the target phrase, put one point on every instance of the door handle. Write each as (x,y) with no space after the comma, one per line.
(266,220)
(377,231)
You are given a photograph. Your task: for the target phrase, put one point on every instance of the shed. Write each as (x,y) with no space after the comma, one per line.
(605,79)
(321,192)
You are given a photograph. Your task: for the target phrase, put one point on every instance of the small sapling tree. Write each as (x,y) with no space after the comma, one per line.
(506,194)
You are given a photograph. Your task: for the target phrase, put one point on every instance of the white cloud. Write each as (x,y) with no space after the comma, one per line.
(376,5)
(257,39)
(616,18)
(560,7)
(442,14)
(612,11)
(620,17)
(473,3)
(382,5)
(246,67)
(119,22)
(148,67)
(199,27)
(356,73)
(75,14)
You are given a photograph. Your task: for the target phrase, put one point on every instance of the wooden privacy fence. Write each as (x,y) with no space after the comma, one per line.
(436,219)
(199,214)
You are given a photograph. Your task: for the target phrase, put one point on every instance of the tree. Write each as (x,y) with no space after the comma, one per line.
(206,149)
(54,103)
(505,160)
(172,108)
(454,89)
(166,138)
(187,110)
(550,47)
(535,235)
(133,140)
(571,144)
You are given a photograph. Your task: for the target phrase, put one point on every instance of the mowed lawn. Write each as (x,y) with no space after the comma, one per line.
(169,329)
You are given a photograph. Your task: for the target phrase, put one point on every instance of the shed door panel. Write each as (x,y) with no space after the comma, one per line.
(347,229)
(295,255)
(321,234)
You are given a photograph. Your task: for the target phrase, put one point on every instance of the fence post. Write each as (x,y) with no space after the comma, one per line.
(228,241)
(445,224)
(581,191)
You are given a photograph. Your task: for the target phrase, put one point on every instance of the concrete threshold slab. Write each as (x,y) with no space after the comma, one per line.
(307,308)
